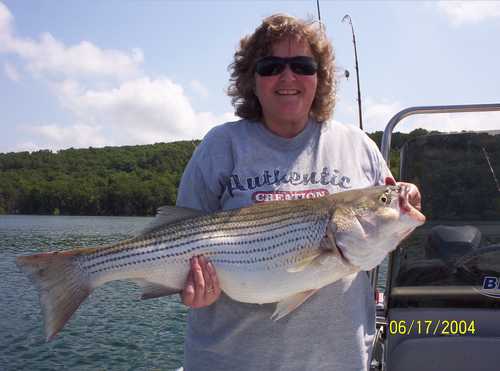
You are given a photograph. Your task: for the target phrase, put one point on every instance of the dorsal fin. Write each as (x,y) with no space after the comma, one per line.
(170,214)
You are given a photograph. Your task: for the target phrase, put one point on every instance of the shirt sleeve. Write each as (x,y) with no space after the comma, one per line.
(201,185)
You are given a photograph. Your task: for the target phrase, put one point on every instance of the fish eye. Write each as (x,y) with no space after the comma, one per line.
(384,199)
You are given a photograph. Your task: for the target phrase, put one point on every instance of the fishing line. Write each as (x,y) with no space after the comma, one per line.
(491,168)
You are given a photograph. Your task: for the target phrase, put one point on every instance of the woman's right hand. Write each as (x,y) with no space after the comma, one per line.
(202,286)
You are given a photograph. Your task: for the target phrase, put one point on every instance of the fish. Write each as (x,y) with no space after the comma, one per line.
(274,252)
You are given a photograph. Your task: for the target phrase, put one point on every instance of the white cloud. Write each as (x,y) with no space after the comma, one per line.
(138,111)
(57,136)
(25,146)
(199,88)
(50,56)
(5,26)
(142,110)
(376,114)
(82,60)
(468,12)
(131,108)
(453,122)
(11,71)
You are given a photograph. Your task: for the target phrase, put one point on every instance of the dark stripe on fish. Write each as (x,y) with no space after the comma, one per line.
(226,227)
(213,255)
(199,247)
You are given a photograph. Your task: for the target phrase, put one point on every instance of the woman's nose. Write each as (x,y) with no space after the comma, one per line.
(287,74)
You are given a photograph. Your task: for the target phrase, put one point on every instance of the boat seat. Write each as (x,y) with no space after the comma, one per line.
(415,352)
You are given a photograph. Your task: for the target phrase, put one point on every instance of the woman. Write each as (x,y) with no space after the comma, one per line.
(282,86)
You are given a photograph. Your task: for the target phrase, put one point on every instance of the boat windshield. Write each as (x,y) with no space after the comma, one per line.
(456,254)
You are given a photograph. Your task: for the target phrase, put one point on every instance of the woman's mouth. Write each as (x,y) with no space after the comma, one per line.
(287,92)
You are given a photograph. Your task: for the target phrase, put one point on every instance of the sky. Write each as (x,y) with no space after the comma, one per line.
(126,72)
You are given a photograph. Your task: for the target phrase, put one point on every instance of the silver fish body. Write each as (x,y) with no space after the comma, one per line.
(273,252)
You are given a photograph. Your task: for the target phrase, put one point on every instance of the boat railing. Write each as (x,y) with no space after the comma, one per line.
(386,147)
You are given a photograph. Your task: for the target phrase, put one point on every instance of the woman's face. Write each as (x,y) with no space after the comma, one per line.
(287,97)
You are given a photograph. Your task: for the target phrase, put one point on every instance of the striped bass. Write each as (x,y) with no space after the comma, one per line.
(279,252)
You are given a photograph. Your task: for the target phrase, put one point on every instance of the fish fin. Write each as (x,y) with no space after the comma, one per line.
(328,250)
(289,304)
(170,214)
(151,290)
(303,264)
(328,241)
(62,285)
(329,257)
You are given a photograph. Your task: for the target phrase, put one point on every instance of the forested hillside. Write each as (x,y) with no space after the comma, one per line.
(130,180)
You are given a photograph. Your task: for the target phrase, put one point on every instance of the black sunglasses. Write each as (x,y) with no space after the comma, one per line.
(272,66)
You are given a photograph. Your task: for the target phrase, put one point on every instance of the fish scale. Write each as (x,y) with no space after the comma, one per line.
(279,252)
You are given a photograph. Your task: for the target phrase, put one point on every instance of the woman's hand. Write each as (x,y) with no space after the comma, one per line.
(202,286)
(414,197)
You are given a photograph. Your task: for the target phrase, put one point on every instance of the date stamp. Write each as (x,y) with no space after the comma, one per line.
(432,327)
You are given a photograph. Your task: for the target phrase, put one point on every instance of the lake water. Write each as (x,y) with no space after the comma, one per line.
(112,330)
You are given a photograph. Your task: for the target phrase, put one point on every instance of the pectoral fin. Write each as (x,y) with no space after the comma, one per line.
(328,258)
(288,305)
(303,264)
(328,241)
(321,258)
(152,290)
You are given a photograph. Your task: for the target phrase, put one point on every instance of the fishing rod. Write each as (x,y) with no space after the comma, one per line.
(348,18)
(319,15)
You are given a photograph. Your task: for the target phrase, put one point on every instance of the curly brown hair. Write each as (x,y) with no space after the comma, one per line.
(259,44)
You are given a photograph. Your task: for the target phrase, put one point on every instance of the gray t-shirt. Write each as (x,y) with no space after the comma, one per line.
(240,163)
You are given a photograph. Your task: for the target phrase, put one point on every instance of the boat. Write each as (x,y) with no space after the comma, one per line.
(441,306)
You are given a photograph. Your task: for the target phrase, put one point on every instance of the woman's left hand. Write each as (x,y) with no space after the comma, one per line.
(202,285)
(414,197)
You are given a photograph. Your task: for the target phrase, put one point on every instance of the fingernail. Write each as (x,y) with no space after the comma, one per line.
(211,268)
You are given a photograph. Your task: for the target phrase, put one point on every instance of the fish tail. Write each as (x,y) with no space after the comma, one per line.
(62,284)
